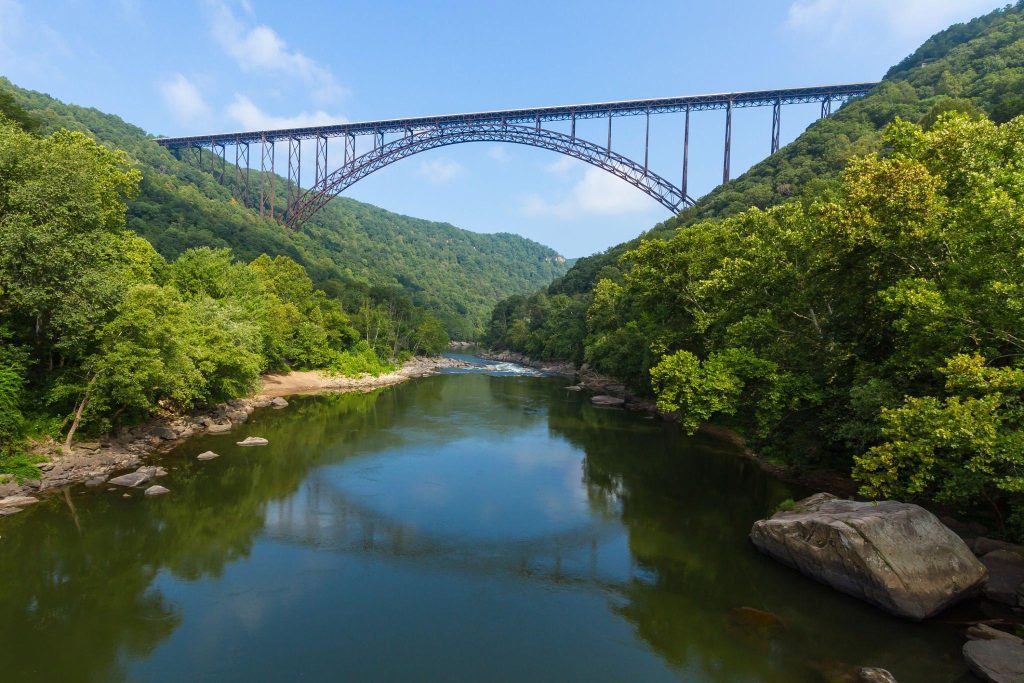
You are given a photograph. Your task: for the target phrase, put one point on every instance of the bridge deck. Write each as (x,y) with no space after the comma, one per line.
(536,115)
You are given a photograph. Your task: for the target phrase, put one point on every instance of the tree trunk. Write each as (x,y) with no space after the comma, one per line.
(78,414)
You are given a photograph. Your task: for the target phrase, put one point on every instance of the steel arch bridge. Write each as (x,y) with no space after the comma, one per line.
(518,126)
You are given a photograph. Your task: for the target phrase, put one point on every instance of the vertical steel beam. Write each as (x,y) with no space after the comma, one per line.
(609,147)
(572,126)
(242,178)
(536,122)
(321,159)
(350,148)
(378,140)
(776,125)
(267,175)
(826,106)
(686,151)
(647,140)
(294,173)
(728,142)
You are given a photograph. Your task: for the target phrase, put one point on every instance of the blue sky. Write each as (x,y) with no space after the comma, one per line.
(200,66)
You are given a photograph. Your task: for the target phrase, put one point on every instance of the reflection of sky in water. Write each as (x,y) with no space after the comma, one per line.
(519,486)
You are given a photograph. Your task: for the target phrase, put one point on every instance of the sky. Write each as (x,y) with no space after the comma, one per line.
(192,67)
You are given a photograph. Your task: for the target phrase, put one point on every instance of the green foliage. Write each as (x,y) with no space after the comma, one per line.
(358,361)
(352,251)
(787,505)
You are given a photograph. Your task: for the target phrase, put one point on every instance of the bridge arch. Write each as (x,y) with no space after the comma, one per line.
(414,142)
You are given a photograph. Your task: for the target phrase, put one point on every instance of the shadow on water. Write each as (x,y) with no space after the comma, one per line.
(464,526)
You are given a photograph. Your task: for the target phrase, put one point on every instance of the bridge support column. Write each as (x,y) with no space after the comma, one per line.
(350,148)
(266,175)
(572,126)
(826,106)
(776,125)
(686,152)
(294,173)
(321,158)
(609,147)
(242,179)
(647,139)
(728,142)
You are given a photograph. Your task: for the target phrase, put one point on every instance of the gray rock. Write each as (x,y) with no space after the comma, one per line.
(17,501)
(89,445)
(7,512)
(152,471)
(997,661)
(95,481)
(607,401)
(129,480)
(238,416)
(165,433)
(986,632)
(207,455)
(219,427)
(870,674)
(253,441)
(983,546)
(278,402)
(897,556)
(574,387)
(1005,574)
(157,490)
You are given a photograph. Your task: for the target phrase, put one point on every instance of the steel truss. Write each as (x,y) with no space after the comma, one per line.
(520,126)
(384,155)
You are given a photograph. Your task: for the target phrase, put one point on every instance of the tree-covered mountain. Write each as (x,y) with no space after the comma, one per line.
(853,302)
(975,65)
(347,248)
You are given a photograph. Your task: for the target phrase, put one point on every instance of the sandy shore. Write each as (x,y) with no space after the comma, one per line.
(92,463)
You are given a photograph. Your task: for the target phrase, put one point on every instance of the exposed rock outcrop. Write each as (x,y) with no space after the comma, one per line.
(253,441)
(897,556)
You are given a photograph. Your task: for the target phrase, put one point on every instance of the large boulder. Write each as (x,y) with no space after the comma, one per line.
(897,556)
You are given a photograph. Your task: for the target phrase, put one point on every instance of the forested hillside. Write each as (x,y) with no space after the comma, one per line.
(853,302)
(350,249)
(977,65)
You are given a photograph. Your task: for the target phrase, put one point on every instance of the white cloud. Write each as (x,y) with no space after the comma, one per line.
(596,193)
(183,98)
(905,20)
(250,117)
(562,165)
(498,153)
(260,48)
(440,171)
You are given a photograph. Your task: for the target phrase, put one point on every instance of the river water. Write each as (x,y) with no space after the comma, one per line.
(461,527)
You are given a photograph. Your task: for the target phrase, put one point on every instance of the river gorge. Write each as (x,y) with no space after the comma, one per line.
(472,525)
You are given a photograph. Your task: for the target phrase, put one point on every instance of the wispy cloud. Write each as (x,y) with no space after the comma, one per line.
(596,193)
(260,48)
(183,98)
(248,116)
(440,171)
(562,165)
(904,20)
(498,153)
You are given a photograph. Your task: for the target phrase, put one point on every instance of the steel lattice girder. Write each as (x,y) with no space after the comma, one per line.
(536,115)
(667,194)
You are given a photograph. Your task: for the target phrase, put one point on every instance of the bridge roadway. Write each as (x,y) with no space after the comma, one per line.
(519,126)
(826,94)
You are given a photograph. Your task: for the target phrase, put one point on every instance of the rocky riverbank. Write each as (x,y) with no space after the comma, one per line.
(93,462)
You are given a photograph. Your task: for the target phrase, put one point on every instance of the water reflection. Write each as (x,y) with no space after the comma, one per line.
(457,527)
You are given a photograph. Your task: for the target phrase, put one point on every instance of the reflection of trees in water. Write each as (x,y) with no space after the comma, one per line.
(89,595)
(687,505)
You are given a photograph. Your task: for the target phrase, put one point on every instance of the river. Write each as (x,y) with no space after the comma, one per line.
(461,527)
